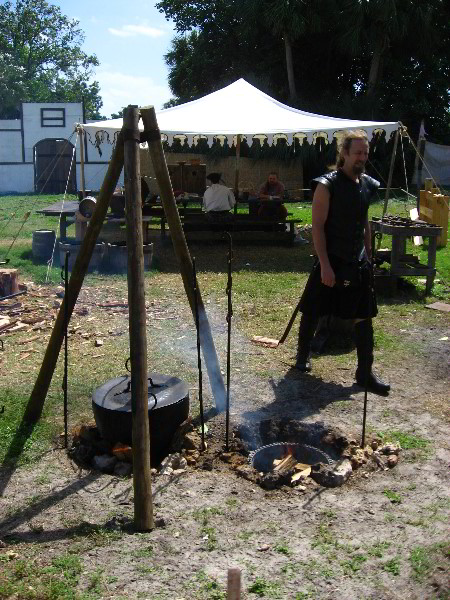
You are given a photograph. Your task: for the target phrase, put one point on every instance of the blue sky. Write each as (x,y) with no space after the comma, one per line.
(130,38)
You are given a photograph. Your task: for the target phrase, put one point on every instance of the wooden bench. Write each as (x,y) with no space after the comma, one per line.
(251,228)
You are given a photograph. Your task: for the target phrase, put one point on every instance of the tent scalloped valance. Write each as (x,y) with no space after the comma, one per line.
(241,109)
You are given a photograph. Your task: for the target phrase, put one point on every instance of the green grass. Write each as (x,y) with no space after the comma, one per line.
(265,589)
(424,560)
(392,566)
(393,496)
(267,282)
(353,564)
(57,581)
(25,444)
(407,441)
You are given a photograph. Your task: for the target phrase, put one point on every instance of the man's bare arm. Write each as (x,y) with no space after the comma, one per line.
(320,208)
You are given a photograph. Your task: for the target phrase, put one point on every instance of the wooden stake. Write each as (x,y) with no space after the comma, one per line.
(234,584)
(153,137)
(143,507)
(37,398)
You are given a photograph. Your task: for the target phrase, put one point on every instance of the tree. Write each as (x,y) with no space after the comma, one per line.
(41,59)
(287,20)
(359,59)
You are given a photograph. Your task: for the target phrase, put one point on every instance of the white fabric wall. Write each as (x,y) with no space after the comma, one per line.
(436,164)
(94,176)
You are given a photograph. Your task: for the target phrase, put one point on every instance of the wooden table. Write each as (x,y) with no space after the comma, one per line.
(65,209)
(401,262)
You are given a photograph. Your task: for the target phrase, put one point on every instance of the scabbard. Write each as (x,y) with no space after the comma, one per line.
(289,325)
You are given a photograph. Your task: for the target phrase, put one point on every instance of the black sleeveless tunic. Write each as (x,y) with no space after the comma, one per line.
(353,296)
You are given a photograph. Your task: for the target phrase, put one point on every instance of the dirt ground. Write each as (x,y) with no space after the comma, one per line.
(382,535)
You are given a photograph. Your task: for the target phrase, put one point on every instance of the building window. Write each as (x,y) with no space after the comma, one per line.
(53,117)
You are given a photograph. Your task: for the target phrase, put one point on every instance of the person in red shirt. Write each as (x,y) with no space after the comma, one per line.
(271,195)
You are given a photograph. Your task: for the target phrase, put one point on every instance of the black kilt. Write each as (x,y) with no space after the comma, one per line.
(352,297)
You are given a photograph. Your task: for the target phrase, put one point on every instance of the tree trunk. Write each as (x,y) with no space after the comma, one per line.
(290,68)
(376,65)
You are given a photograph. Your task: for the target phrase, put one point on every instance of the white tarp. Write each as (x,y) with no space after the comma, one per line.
(242,109)
(436,164)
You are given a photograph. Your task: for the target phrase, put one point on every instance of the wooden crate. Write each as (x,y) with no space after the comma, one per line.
(434,209)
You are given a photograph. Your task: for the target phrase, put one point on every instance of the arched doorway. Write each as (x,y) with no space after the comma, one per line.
(53,166)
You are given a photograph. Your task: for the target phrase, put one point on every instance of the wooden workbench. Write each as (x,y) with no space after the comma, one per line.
(403,264)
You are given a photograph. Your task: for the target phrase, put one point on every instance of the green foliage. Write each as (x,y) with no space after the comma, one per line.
(378,549)
(42,60)
(407,441)
(265,589)
(208,587)
(371,60)
(392,566)
(56,581)
(425,560)
(353,564)
(393,496)
(17,441)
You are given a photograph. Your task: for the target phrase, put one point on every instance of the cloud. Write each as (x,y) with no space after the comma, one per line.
(135,30)
(119,89)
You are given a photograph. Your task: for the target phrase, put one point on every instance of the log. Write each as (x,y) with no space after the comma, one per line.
(9,282)
(153,137)
(286,464)
(301,475)
(37,398)
(143,506)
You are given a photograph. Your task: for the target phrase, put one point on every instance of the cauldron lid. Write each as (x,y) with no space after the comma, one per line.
(115,394)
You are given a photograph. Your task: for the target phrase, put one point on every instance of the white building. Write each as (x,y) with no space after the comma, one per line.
(40,151)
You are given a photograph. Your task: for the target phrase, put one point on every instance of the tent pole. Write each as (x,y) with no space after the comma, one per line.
(37,398)
(143,507)
(82,180)
(236,173)
(420,147)
(391,171)
(152,136)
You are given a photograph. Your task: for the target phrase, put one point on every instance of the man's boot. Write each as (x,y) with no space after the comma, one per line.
(307,329)
(364,348)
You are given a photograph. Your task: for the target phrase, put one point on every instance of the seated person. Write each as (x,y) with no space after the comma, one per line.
(271,196)
(218,200)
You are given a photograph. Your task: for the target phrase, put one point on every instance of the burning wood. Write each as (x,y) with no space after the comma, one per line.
(303,474)
(285,464)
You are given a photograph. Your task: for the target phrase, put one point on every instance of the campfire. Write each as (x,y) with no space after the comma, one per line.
(326,457)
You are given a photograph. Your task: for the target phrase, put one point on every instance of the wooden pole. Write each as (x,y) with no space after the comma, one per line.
(37,398)
(153,136)
(143,507)
(391,171)
(234,584)
(236,172)
(83,186)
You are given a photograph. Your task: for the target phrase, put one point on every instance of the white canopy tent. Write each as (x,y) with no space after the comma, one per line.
(241,109)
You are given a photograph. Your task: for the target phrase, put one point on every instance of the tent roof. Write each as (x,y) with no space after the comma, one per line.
(240,108)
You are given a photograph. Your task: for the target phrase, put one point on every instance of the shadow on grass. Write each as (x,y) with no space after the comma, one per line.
(302,395)
(262,258)
(24,515)
(12,456)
